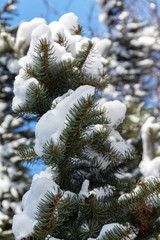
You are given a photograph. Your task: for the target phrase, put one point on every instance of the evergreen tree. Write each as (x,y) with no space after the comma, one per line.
(86,192)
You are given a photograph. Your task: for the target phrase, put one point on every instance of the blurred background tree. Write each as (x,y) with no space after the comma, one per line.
(14,176)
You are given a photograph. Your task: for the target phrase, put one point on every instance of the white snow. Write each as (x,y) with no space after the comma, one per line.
(152,6)
(20,228)
(69,21)
(29,203)
(11,7)
(20,87)
(3,106)
(56,118)
(13,66)
(123,15)
(118,143)
(144,40)
(102,191)
(84,188)
(31,199)
(24,32)
(146,62)
(150,165)
(102,45)
(115,111)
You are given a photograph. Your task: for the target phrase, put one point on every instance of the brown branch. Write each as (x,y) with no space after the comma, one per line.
(90,46)
(143,217)
(44,47)
(152,141)
(37,90)
(91,83)
(30,155)
(110,155)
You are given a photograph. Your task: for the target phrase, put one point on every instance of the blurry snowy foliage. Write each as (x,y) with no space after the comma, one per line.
(14,177)
(133,66)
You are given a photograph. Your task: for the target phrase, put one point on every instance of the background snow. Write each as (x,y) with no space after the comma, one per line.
(150,165)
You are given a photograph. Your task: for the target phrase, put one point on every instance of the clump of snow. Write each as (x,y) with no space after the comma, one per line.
(115,111)
(31,199)
(69,21)
(152,6)
(20,87)
(118,143)
(65,27)
(123,15)
(102,191)
(10,121)
(13,66)
(84,188)
(29,203)
(6,41)
(11,8)
(24,33)
(102,45)
(3,106)
(146,62)
(144,41)
(54,128)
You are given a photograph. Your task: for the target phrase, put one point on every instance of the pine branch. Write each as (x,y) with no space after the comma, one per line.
(38,101)
(54,212)
(84,55)
(146,190)
(43,61)
(62,40)
(46,220)
(90,229)
(77,31)
(28,154)
(93,207)
(117,233)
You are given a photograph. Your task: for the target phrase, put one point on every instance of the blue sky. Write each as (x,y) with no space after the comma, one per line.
(87,12)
